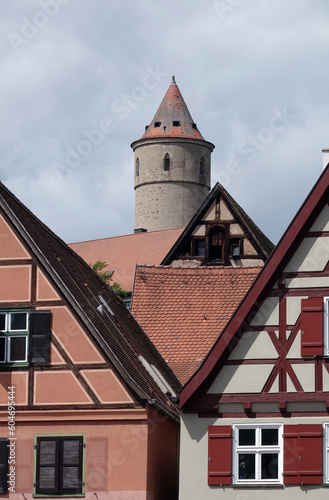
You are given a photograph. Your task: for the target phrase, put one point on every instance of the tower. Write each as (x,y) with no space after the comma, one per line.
(172,166)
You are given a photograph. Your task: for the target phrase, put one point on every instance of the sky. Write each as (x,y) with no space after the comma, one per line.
(80,79)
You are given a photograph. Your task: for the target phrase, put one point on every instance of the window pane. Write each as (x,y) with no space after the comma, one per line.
(18,321)
(2,322)
(269,466)
(200,248)
(2,349)
(247,437)
(47,478)
(70,478)
(246,466)
(47,452)
(17,349)
(71,450)
(269,437)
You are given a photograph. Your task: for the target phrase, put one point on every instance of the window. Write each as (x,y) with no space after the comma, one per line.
(4,443)
(199,248)
(137,167)
(326,453)
(235,247)
(176,123)
(59,465)
(201,167)
(166,162)
(24,336)
(257,454)
(157,124)
(13,336)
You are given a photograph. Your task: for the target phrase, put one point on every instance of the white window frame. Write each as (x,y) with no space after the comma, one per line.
(8,334)
(326,326)
(325,467)
(258,449)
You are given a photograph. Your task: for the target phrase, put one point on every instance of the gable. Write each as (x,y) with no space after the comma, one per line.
(275,347)
(220,233)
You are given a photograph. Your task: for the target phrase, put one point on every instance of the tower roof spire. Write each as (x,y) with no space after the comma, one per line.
(173,118)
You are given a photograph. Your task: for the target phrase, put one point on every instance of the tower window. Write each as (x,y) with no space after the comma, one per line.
(176,123)
(194,126)
(166,162)
(202,168)
(137,167)
(157,124)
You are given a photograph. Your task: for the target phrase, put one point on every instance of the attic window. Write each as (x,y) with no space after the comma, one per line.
(176,123)
(157,124)
(235,248)
(194,126)
(166,162)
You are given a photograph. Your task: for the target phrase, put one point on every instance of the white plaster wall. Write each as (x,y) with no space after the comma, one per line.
(254,345)
(268,314)
(241,379)
(194,465)
(312,255)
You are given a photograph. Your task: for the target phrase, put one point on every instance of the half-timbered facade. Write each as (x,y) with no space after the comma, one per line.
(85,405)
(220,234)
(255,415)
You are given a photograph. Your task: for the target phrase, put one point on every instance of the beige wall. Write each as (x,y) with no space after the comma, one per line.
(193,478)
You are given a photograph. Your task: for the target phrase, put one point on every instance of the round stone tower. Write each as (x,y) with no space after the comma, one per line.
(172,167)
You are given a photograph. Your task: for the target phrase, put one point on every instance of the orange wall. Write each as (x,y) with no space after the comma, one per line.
(116,454)
(163,441)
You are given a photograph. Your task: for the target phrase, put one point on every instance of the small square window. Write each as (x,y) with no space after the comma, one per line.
(157,124)
(176,123)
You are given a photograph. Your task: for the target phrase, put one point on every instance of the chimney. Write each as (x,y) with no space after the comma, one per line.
(325,157)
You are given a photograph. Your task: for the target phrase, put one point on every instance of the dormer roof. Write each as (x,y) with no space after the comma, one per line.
(173,118)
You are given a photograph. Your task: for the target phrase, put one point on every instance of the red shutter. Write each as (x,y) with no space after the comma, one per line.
(312,327)
(302,463)
(219,454)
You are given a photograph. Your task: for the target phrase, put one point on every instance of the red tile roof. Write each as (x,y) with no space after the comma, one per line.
(122,253)
(183,310)
(173,108)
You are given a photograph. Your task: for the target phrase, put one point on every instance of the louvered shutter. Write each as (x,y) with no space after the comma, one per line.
(39,336)
(47,476)
(312,327)
(3,465)
(219,454)
(71,464)
(302,454)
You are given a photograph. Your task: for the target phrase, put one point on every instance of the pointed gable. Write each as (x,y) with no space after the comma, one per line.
(220,233)
(293,283)
(68,312)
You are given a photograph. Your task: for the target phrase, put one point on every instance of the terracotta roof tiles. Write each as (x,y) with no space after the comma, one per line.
(184,310)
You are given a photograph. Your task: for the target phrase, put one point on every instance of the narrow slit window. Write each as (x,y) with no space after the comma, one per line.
(137,167)
(166,162)
(202,166)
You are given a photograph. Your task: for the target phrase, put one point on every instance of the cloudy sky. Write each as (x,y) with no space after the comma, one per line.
(80,79)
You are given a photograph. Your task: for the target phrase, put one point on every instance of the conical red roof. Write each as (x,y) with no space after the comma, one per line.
(173,118)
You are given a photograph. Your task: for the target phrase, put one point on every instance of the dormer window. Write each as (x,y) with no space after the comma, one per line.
(157,124)
(176,123)
(194,126)
(166,162)
(137,167)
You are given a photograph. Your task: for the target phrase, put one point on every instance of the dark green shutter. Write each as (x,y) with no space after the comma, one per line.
(39,336)
(71,466)
(47,476)
(3,465)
